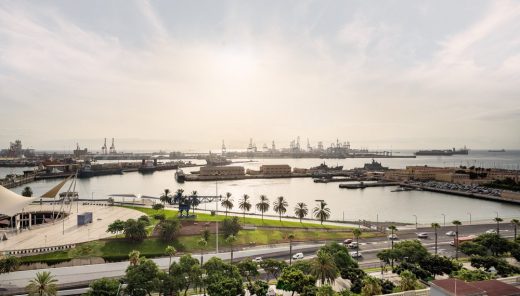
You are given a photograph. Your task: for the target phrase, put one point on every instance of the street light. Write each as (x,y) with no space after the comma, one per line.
(469,218)
(444,215)
(415,221)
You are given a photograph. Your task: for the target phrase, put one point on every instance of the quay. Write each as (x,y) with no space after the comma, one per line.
(363,185)
(195,177)
(329,180)
(15,181)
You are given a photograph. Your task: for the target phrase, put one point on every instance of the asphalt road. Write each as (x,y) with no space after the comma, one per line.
(77,275)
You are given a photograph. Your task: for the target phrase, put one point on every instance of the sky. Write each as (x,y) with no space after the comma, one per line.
(185,75)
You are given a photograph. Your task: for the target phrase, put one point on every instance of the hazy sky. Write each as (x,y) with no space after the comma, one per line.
(187,74)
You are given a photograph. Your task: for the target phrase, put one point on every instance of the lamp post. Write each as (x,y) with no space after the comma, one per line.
(415,221)
(92,196)
(469,218)
(216,213)
(444,215)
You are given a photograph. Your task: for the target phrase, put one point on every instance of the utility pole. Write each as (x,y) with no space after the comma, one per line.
(216,214)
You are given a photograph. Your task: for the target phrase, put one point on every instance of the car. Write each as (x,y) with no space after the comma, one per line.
(258,259)
(393,237)
(422,235)
(353,245)
(491,231)
(297,256)
(356,254)
(347,241)
(451,233)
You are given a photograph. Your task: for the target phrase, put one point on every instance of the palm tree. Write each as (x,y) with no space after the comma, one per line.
(280,206)
(227,202)
(371,286)
(323,268)
(357,234)
(43,285)
(301,210)
(202,245)
(170,251)
(134,257)
(515,223)
(290,237)
(263,205)
(498,220)
(231,240)
(245,205)
(194,200)
(435,226)
(165,197)
(322,212)
(457,223)
(178,195)
(392,229)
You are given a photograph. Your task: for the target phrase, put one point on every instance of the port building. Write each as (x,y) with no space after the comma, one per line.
(275,169)
(228,171)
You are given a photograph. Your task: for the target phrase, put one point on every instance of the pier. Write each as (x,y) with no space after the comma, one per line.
(363,185)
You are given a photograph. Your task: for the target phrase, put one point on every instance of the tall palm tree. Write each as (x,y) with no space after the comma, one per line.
(194,200)
(290,237)
(515,223)
(393,229)
(244,205)
(457,223)
(134,257)
(231,240)
(435,226)
(43,285)
(170,251)
(498,220)
(280,206)
(357,234)
(323,268)
(202,245)
(322,212)
(301,210)
(227,202)
(165,197)
(263,205)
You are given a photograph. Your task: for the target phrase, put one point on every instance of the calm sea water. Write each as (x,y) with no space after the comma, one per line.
(371,203)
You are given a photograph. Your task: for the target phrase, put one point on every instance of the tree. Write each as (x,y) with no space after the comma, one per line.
(473,248)
(231,226)
(301,210)
(273,267)
(487,262)
(222,279)
(290,237)
(408,281)
(169,284)
(438,265)
(323,268)
(244,205)
(168,230)
(231,240)
(206,234)
(436,226)
(44,284)
(143,278)
(170,251)
(103,287)
(189,270)
(325,290)
(165,197)
(134,257)
(304,265)
(294,280)
(496,244)
(472,275)
(393,229)
(515,252)
(371,286)
(194,200)
(9,264)
(357,233)
(263,205)
(158,207)
(280,206)
(322,212)
(410,251)
(457,223)
(227,203)
(498,220)
(144,219)
(248,269)
(202,243)
(27,191)
(135,230)
(258,288)
(515,223)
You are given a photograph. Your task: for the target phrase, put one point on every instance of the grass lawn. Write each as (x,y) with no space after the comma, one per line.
(202,217)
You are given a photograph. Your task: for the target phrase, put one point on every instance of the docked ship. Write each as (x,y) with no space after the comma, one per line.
(217,160)
(463,151)
(374,166)
(147,167)
(89,170)
(499,150)
(180,177)
(434,153)
(325,168)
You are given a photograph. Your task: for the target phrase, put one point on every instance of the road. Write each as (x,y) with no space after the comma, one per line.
(77,275)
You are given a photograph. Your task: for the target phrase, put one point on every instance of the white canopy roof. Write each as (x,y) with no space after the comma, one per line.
(12,203)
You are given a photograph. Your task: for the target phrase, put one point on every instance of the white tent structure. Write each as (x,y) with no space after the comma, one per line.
(12,203)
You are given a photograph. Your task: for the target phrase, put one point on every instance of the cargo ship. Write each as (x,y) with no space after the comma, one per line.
(325,168)
(447,152)
(88,170)
(499,150)
(217,160)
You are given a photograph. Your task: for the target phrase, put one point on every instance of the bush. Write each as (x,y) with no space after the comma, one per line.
(168,230)
(231,226)
(160,217)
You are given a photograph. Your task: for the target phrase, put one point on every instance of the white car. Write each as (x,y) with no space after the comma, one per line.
(258,259)
(297,256)
(451,233)
(422,235)
(353,245)
(491,231)
(393,237)
(356,254)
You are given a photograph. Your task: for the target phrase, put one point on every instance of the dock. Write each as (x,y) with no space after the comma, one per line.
(363,185)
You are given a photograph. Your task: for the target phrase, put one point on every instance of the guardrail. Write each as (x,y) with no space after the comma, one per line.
(39,250)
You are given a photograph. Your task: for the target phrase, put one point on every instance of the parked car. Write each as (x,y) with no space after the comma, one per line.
(451,233)
(347,241)
(422,235)
(393,237)
(258,259)
(297,256)
(491,231)
(356,254)
(353,245)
